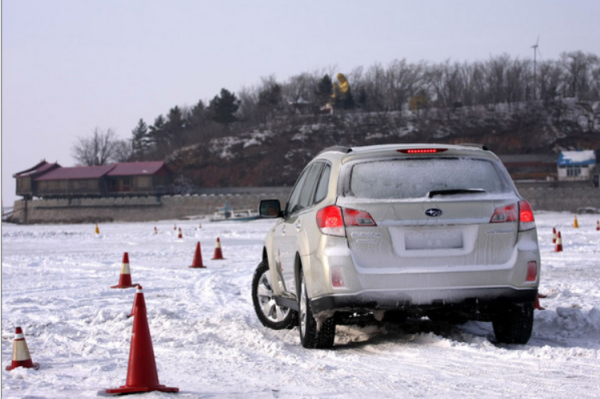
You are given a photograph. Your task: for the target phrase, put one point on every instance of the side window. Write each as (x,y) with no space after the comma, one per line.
(308,192)
(295,195)
(323,184)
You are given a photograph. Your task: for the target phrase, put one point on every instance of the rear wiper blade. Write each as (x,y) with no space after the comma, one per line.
(431,194)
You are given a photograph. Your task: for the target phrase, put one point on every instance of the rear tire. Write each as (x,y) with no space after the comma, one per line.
(309,336)
(514,325)
(269,313)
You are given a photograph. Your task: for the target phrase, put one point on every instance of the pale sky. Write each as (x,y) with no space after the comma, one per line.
(69,66)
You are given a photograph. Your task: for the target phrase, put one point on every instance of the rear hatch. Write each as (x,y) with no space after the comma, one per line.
(429,213)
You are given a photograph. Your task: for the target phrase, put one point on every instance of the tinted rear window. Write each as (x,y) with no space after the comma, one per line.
(415,178)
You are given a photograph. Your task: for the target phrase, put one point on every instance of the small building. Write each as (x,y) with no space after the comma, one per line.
(576,165)
(26,183)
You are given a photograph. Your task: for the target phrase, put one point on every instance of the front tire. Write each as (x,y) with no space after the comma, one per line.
(269,313)
(310,337)
(514,325)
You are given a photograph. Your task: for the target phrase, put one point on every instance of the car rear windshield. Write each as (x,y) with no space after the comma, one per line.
(417,178)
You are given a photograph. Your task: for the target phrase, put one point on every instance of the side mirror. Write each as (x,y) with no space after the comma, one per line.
(270,209)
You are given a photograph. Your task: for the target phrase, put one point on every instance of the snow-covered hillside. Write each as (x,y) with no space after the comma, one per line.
(248,156)
(209,343)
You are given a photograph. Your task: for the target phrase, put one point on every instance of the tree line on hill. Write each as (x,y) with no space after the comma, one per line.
(401,85)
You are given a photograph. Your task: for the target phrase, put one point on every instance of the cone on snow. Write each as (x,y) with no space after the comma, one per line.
(197,263)
(575,223)
(138,291)
(218,251)
(180,235)
(598,225)
(199,226)
(554,235)
(97,229)
(21,356)
(175,227)
(141,371)
(125,277)
(155,230)
(559,246)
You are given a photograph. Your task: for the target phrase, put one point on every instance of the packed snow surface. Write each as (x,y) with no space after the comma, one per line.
(208,342)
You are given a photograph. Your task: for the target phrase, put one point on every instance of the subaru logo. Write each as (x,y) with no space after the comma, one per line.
(433,212)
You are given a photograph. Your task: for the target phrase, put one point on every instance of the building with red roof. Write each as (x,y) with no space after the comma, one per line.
(118,179)
(26,183)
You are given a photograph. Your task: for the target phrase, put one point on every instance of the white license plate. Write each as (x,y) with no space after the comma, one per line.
(433,239)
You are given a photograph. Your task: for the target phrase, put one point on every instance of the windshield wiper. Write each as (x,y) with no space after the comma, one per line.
(456,192)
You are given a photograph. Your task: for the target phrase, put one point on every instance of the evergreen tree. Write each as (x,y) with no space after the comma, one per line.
(140,140)
(158,137)
(174,128)
(223,107)
(196,117)
(324,90)
(269,100)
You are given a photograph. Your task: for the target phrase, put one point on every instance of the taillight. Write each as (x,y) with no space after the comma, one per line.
(518,212)
(505,214)
(331,221)
(352,217)
(526,219)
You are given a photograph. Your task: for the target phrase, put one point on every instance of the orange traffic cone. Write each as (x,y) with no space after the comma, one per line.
(155,230)
(180,235)
(21,356)
(197,263)
(125,277)
(575,224)
(598,225)
(138,291)
(554,235)
(218,252)
(175,227)
(559,246)
(97,229)
(141,371)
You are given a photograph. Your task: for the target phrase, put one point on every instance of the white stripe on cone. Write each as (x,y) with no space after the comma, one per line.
(20,351)
(125,268)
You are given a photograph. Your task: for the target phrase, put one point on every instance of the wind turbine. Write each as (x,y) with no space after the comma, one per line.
(535,50)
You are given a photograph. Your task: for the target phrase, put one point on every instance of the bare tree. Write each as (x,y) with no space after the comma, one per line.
(98,149)
(123,151)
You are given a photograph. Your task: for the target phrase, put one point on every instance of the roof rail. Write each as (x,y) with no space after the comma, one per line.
(482,146)
(337,148)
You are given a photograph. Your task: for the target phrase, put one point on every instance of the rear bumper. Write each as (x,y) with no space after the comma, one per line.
(394,300)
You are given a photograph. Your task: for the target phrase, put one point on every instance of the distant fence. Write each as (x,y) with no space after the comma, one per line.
(550,196)
(135,209)
(567,196)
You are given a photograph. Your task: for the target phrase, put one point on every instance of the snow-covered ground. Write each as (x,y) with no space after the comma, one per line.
(209,343)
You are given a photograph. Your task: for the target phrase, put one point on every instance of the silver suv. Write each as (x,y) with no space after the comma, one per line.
(389,231)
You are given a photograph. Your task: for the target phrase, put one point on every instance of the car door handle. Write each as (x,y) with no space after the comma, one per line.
(283,231)
(298,225)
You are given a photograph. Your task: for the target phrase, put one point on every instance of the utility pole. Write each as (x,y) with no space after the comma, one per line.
(535,47)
